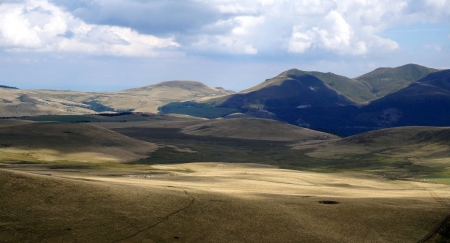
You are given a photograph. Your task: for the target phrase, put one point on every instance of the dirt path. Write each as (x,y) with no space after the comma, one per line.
(162,220)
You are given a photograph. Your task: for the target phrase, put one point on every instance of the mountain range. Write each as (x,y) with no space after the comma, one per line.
(408,95)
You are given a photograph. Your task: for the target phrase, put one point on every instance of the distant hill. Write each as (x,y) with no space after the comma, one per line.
(383,81)
(178,90)
(14,102)
(256,129)
(7,87)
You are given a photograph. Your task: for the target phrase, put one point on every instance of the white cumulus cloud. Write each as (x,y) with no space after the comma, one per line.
(143,28)
(37,25)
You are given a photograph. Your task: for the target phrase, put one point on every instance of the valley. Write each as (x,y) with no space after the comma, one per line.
(302,157)
(218,181)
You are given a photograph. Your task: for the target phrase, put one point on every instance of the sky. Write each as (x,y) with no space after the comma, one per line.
(109,45)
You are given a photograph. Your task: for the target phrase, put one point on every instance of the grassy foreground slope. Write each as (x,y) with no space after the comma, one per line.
(34,142)
(216,202)
(37,208)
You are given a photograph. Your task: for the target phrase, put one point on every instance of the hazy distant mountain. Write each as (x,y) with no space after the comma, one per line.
(383,81)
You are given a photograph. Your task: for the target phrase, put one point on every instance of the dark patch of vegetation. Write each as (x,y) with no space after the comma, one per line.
(27,98)
(98,107)
(71,119)
(125,113)
(70,166)
(5,101)
(76,105)
(328,202)
(7,87)
(197,109)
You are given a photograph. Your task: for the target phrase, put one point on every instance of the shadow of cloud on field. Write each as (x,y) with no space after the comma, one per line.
(69,141)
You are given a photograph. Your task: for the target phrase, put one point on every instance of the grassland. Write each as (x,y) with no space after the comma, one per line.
(78,142)
(214,202)
(220,187)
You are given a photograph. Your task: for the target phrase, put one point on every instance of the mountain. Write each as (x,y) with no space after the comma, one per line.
(178,90)
(357,91)
(423,103)
(277,98)
(15,102)
(383,81)
(292,88)
(334,104)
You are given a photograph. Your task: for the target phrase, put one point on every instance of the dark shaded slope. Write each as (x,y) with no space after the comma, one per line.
(290,89)
(424,103)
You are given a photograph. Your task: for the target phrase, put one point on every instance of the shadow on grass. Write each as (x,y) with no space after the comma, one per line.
(280,154)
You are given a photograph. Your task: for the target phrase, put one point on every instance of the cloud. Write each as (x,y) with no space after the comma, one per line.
(204,27)
(157,17)
(37,25)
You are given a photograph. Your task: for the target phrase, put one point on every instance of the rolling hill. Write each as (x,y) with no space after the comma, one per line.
(419,148)
(17,102)
(255,129)
(51,141)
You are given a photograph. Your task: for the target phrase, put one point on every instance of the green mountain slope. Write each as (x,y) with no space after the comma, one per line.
(384,81)
(358,91)
(426,102)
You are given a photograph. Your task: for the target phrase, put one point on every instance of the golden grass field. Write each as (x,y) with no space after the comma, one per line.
(216,202)
(99,190)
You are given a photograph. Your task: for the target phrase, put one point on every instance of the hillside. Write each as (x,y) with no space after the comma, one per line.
(384,81)
(291,88)
(424,103)
(15,102)
(402,146)
(255,129)
(357,91)
(35,142)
